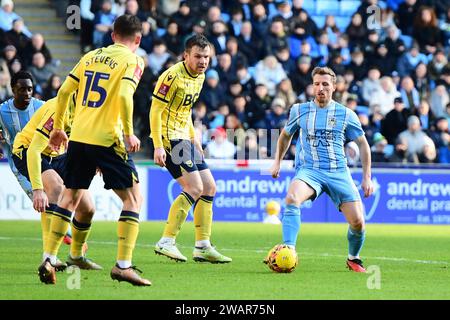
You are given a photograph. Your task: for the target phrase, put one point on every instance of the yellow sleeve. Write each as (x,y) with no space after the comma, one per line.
(126,106)
(133,71)
(75,73)
(69,86)
(37,145)
(164,92)
(129,83)
(166,86)
(156,111)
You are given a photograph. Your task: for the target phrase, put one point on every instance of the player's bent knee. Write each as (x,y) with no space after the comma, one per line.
(54,192)
(133,202)
(209,189)
(90,213)
(357,224)
(194,191)
(292,199)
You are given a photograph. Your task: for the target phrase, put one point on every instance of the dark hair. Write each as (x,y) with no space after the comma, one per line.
(21,75)
(127,26)
(158,42)
(198,40)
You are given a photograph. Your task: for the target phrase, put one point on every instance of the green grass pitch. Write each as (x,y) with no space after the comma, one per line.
(408,262)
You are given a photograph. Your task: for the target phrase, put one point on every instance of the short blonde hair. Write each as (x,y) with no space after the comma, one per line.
(324,71)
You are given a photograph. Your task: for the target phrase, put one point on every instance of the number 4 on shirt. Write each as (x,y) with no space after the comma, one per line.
(94,79)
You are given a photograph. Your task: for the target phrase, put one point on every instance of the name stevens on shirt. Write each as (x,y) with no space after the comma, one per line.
(102,59)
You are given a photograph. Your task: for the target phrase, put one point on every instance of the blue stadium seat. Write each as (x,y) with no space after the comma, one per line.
(309,6)
(349,7)
(225,17)
(324,7)
(319,20)
(160,32)
(407,40)
(342,22)
(251,71)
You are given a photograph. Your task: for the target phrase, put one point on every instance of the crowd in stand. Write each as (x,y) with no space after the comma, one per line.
(394,72)
(22,50)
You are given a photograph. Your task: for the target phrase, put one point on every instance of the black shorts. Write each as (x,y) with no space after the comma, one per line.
(118,170)
(183,156)
(56,163)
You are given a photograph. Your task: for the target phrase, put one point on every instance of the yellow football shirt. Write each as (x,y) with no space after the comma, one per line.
(35,135)
(170,115)
(106,80)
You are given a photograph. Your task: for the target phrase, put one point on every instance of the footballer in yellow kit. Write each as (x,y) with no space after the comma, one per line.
(177,149)
(101,137)
(176,91)
(44,168)
(31,144)
(100,116)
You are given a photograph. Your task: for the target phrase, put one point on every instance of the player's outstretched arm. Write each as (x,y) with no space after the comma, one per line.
(364,149)
(282,146)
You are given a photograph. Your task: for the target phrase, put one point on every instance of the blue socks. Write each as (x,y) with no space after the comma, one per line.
(355,241)
(291,224)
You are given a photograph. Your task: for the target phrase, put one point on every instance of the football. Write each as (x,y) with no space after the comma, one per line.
(282,258)
(273,208)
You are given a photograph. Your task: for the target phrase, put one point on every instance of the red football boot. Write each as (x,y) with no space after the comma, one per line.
(355,265)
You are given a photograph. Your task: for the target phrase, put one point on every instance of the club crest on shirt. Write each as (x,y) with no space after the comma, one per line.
(138,72)
(163,89)
(49,124)
(331,122)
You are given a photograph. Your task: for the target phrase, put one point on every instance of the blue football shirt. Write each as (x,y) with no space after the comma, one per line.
(13,120)
(322,134)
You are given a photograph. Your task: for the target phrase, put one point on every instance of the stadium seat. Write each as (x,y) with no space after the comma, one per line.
(309,6)
(251,72)
(325,7)
(319,20)
(342,22)
(225,17)
(348,7)
(160,32)
(407,40)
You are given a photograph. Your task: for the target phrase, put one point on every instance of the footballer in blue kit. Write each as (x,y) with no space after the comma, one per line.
(320,164)
(14,115)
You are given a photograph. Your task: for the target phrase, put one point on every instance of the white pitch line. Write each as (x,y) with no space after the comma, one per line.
(255,250)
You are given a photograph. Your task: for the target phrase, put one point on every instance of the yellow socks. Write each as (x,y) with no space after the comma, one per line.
(80,233)
(45,224)
(203,218)
(177,214)
(60,220)
(127,231)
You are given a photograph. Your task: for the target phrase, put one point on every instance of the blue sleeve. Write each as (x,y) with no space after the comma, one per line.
(39,104)
(292,124)
(353,129)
